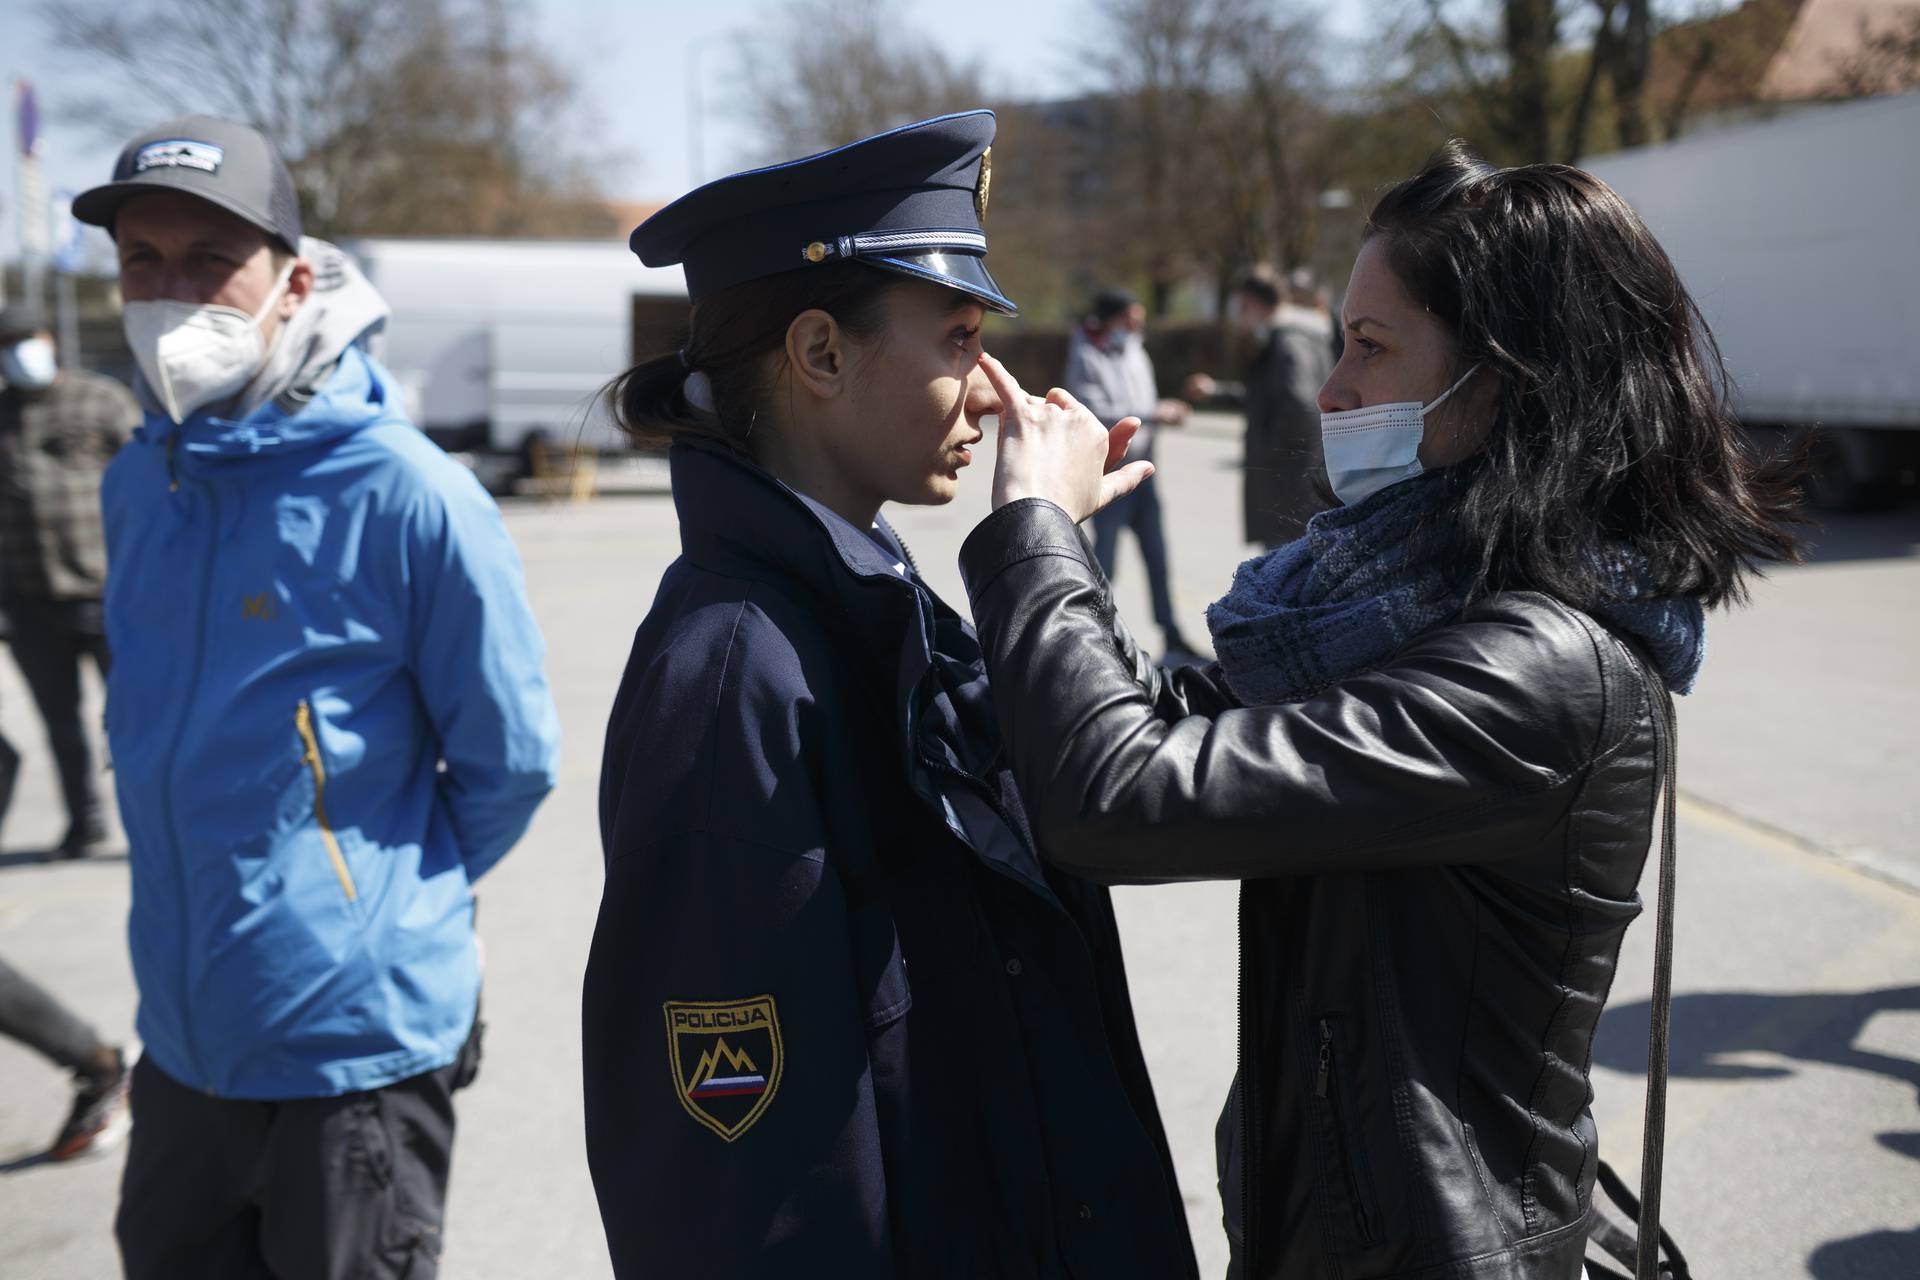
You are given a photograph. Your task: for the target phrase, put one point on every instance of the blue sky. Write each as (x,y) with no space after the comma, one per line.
(632,60)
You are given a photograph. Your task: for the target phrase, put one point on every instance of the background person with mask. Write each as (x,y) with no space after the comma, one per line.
(1283,480)
(328,718)
(1109,370)
(58,430)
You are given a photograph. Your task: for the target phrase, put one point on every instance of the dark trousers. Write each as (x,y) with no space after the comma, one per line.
(346,1188)
(49,639)
(34,1018)
(1140,512)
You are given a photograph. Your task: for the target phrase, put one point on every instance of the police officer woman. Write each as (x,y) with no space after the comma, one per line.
(1432,745)
(839,1018)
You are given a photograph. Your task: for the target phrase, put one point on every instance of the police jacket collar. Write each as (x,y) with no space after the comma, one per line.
(738,518)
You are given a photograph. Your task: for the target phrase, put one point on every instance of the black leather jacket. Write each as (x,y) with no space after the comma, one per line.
(1439,858)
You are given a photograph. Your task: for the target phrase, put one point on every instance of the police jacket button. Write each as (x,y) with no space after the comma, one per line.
(1086,1212)
(1014,967)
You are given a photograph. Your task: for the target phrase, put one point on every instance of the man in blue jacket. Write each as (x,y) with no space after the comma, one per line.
(328,718)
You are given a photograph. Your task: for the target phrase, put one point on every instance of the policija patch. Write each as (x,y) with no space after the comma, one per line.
(726,1058)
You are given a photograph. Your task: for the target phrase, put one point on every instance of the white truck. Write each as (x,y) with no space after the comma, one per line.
(502,346)
(1799,236)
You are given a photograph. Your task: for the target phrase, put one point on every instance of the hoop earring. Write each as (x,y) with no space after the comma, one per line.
(750,421)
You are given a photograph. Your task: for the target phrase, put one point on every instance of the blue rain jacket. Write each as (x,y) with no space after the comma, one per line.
(328,716)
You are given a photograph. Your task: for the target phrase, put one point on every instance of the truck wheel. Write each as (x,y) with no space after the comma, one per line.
(1850,470)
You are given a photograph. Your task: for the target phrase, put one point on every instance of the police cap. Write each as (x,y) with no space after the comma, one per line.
(912,200)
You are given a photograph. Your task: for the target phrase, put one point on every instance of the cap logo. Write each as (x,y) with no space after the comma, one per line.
(980,187)
(179,153)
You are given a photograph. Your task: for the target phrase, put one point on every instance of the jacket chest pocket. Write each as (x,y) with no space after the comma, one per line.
(1347,1173)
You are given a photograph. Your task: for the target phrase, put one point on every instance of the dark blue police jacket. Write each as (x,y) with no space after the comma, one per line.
(839,1018)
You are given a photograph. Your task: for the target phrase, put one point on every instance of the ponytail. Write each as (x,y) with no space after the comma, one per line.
(731,336)
(649,402)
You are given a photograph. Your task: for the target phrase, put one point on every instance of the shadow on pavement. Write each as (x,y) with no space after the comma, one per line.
(1710,1029)
(1906,1144)
(1878,1255)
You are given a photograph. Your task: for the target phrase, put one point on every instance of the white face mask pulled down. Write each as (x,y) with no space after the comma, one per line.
(196,354)
(1368,449)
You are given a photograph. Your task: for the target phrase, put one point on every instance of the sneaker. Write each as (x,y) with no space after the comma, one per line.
(100,1119)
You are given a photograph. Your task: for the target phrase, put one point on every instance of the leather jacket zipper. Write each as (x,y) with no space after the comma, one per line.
(1347,1148)
(303,721)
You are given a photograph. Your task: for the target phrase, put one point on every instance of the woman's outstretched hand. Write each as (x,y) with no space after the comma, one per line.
(1054,448)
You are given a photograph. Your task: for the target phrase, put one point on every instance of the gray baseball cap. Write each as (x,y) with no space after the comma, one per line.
(225,163)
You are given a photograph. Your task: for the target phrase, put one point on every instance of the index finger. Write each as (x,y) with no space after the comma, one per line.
(1003,383)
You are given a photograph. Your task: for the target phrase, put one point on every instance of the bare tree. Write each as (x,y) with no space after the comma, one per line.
(395,116)
(1628,57)
(1503,63)
(1713,59)
(842,73)
(1543,79)
(1196,151)
(1886,61)
(1223,145)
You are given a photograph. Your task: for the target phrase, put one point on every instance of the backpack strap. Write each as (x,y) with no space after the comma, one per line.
(1654,1135)
(1643,1249)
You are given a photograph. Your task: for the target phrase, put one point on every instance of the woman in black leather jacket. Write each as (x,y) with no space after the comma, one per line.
(1431,748)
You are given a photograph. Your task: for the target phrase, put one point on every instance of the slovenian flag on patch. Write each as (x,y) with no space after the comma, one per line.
(730,1086)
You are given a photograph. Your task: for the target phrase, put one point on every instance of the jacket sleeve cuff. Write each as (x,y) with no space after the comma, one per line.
(1016,532)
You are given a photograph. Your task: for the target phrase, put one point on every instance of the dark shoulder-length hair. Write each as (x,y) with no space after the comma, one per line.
(1613,430)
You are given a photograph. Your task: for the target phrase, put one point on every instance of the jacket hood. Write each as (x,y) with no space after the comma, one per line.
(355,394)
(342,314)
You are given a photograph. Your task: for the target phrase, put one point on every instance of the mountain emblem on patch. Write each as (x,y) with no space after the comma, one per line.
(726,1057)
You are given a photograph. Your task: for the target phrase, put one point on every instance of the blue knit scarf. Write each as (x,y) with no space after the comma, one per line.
(1349,594)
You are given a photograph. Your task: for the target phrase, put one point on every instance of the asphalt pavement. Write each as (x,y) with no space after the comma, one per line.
(1794,1133)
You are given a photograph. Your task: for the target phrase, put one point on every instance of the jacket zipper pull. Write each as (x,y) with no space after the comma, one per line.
(173,472)
(1326,1060)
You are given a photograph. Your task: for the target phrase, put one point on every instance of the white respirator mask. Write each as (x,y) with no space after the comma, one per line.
(195,354)
(1368,449)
